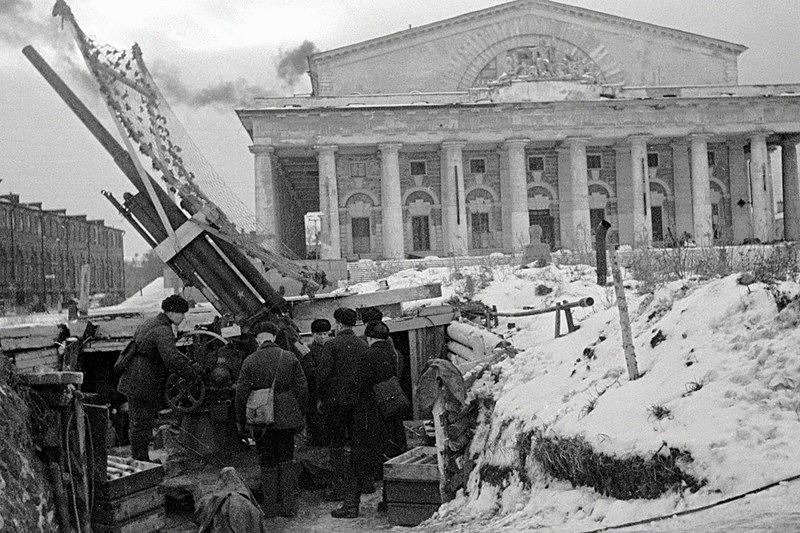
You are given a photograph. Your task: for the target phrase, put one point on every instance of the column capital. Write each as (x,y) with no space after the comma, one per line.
(261,149)
(325,148)
(515,143)
(576,141)
(451,144)
(699,137)
(759,135)
(389,146)
(639,137)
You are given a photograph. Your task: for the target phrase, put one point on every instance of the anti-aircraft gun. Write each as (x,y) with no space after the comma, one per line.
(191,232)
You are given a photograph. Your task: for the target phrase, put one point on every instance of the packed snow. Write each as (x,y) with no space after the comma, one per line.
(717,362)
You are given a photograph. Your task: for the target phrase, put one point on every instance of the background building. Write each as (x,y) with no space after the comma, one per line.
(454,137)
(42,251)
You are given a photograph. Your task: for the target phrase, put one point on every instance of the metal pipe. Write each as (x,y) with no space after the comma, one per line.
(583,302)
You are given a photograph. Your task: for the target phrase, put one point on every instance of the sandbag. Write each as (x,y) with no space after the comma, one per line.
(231,507)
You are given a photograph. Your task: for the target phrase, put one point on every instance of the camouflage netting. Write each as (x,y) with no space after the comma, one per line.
(25,494)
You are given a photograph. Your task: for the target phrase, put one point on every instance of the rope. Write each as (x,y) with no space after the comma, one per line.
(696,509)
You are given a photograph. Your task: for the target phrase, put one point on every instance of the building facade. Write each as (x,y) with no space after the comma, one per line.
(42,252)
(456,136)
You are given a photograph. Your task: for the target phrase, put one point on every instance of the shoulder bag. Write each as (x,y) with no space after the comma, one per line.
(390,397)
(125,357)
(261,403)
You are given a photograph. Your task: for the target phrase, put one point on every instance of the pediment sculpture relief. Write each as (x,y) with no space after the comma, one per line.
(544,61)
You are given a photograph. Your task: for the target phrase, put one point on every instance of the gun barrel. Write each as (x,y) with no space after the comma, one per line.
(527,311)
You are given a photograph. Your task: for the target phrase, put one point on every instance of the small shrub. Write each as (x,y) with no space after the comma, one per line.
(659,412)
(573,459)
(779,264)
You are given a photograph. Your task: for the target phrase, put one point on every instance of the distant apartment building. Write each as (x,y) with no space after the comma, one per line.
(42,252)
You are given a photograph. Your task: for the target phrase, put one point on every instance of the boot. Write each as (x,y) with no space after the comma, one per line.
(269,491)
(338,460)
(289,487)
(352,500)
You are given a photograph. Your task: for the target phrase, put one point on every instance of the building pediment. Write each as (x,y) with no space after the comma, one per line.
(527,40)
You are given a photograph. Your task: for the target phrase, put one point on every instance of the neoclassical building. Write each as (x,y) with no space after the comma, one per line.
(456,136)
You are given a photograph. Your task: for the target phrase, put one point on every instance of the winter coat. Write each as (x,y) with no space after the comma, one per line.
(339,368)
(258,371)
(370,430)
(156,358)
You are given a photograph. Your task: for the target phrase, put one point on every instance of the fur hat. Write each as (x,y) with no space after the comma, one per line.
(371,314)
(265,327)
(346,316)
(174,304)
(377,330)
(320,325)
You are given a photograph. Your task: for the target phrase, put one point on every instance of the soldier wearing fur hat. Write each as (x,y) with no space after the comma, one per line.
(337,386)
(144,379)
(272,367)
(320,329)
(370,430)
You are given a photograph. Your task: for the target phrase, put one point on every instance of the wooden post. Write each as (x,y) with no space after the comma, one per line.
(624,319)
(558,320)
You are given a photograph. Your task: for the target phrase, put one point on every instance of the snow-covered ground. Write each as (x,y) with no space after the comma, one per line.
(726,371)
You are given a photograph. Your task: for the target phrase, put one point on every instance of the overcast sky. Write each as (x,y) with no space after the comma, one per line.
(211,55)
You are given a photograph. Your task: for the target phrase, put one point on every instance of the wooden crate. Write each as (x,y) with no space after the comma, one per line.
(149,475)
(145,523)
(123,509)
(417,464)
(410,514)
(412,486)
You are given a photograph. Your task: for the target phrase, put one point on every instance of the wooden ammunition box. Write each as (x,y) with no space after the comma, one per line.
(412,486)
(131,499)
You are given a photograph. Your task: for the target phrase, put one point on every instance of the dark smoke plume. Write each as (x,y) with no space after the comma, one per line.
(294,63)
(224,94)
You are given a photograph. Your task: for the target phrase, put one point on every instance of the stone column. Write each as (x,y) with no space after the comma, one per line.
(640,190)
(518,190)
(265,198)
(573,186)
(391,201)
(758,187)
(454,205)
(329,202)
(791,188)
(740,191)
(625,225)
(682,177)
(703,234)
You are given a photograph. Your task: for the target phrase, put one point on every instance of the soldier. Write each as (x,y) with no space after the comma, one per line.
(370,432)
(337,386)
(320,329)
(272,366)
(144,379)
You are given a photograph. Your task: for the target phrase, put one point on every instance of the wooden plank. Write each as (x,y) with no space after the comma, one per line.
(410,514)
(325,304)
(127,507)
(147,523)
(403,491)
(413,361)
(52,378)
(97,416)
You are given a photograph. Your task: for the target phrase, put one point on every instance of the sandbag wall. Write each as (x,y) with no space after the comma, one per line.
(469,344)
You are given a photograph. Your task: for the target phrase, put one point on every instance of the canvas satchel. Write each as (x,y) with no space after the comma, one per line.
(390,397)
(125,357)
(260,409)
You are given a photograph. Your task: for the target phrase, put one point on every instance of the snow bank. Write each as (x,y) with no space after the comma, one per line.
(716,355)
